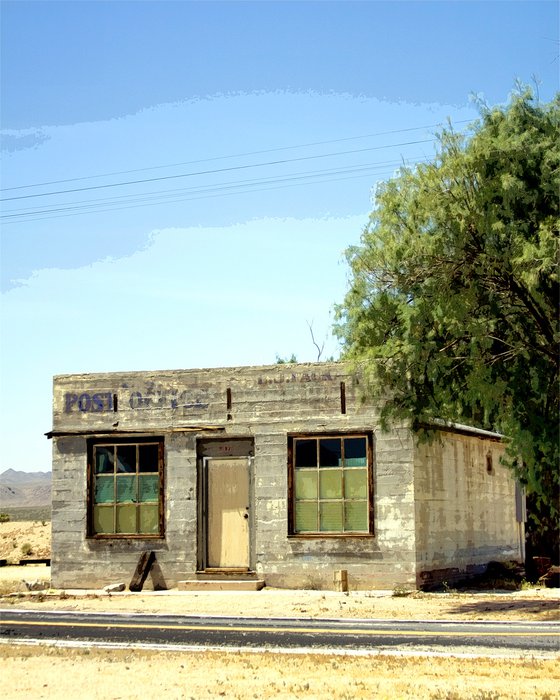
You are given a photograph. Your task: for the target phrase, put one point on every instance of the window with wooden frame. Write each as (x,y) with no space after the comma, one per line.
(330,484)
(125,487)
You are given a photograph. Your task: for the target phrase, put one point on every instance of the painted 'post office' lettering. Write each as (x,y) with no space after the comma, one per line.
(88,403)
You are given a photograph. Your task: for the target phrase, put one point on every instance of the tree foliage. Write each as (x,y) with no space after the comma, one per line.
(453,299)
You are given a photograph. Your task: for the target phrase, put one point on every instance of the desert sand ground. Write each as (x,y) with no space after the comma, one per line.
(60,673)
(531,604)
(57,673)
(21,539)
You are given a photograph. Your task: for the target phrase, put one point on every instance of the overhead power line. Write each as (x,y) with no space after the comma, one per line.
(229,156)
(197,192)
(185,198)
(138,198)
(214,171)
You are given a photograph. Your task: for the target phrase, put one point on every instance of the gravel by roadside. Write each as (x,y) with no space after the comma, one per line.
(531,604)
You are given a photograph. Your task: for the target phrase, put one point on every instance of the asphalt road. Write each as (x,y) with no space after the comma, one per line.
(522,637)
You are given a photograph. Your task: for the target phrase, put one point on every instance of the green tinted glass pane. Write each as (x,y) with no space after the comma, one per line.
(330,483)
(126,518)
(356,517)
(103,519)
(355,482)
(330,515)
(104,460)
(355,452)
(104,489)
(355,462)
(306,484)
(330,452)
(306,516)
(148,488)
(305,453)
(126,489)
(147,458)
(149,519)
(126,458)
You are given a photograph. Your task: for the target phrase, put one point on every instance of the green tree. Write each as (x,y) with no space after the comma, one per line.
(285,360)
(453,302)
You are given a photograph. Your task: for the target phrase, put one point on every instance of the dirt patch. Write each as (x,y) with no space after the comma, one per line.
(533,604)
(25,539)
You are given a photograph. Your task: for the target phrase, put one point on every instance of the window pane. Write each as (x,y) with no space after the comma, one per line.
(331,517)
(126,458)
(126,518)
(148,488)
(355,483)
(330,483)
(330,452)
(306,453)
(126,489)
(356,519)
(104,460)
(103,519)
(124,475)
(355,452)
(149,519)
(104,489)
(306,516)
(306,484)
(147,458)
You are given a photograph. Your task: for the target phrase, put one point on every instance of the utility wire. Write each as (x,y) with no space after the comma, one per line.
(181,194)
(237,155)
(217,170)
(188,198)
(370,167)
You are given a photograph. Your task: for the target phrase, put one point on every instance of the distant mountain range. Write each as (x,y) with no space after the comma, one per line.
(24,489)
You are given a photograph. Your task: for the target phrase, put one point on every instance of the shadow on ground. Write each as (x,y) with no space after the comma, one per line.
(545,609)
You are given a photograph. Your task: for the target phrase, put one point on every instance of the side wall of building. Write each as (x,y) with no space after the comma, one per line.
(465,508)
(263,404)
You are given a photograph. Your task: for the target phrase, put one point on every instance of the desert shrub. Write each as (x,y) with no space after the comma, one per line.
(401,591)
(26,549)
(4,517)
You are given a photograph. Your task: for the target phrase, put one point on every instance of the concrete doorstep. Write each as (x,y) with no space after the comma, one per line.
(220,585)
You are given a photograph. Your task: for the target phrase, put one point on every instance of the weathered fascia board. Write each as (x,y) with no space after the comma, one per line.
(96,432)
(302,423)
(439,425)
(299,424)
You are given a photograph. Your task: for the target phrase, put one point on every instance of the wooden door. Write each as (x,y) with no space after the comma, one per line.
(227,530)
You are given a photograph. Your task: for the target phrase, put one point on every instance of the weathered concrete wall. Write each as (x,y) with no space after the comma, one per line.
(82,562)
(168,399)
(262,403)
(465,515)
(382,561)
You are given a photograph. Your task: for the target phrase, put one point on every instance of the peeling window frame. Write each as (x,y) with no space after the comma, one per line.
(132,440)
(292,531)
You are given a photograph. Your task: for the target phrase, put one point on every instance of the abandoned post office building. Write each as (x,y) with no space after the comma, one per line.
(278,474)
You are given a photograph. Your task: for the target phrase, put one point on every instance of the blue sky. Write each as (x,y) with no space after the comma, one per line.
(212,161)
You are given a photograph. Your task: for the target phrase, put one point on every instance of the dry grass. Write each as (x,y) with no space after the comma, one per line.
(43,672)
